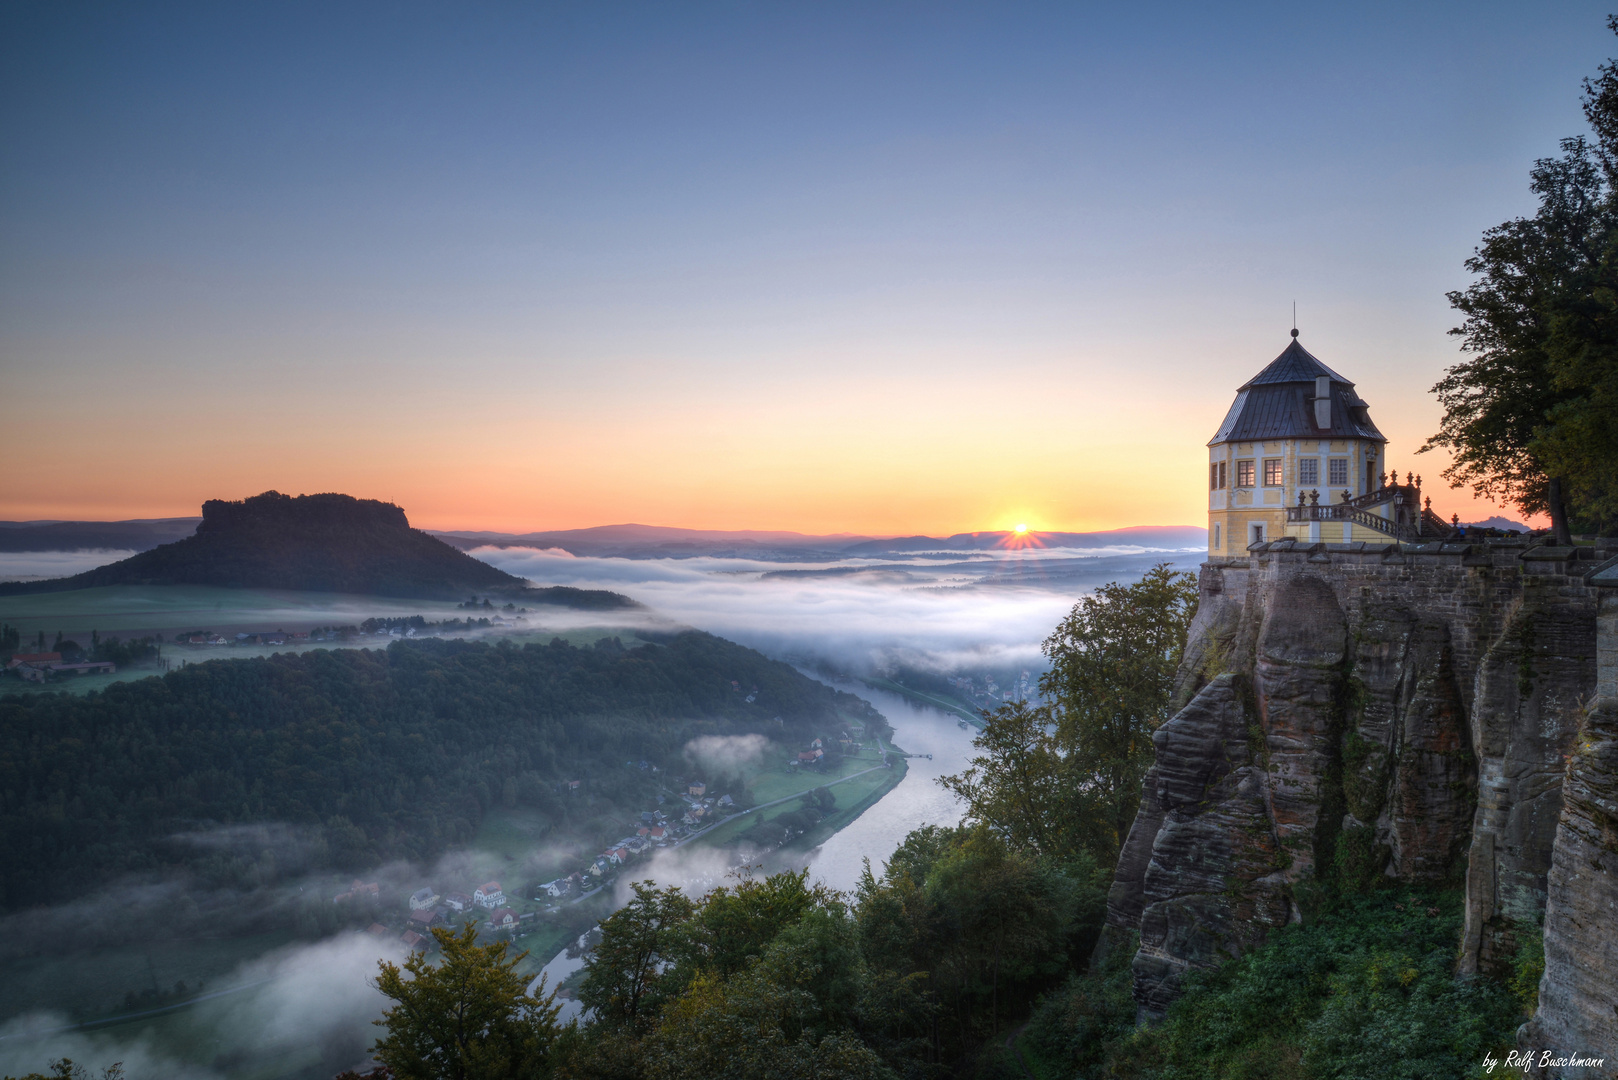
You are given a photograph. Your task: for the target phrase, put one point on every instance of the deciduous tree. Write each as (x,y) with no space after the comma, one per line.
(470,1017)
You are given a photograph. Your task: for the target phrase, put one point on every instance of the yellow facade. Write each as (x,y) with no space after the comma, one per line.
(1241,512)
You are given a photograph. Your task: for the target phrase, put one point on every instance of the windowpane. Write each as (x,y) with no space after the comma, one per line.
(1272,472)
(1213,477)
(1221,474)
(1339,472)
(1244,474)
(1308,471)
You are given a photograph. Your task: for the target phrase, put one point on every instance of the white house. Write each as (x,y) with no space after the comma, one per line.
(488,895)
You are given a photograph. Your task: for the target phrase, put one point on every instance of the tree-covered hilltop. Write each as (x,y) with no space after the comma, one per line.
(378,755)
(318,543)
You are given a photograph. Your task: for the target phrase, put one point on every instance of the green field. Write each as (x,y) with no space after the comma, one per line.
(853,796)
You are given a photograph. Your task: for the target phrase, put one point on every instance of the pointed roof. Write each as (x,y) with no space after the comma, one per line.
(1278,403)
(1295,364)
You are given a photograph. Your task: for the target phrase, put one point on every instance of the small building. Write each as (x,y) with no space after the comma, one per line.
(1297,455)
(423,898)
(35,658)
(503,919)
(554,888)
(414,941)
(620,854)
(425,919)
(458,901)
(657,832)
(376,929)
(726,802)
(488,895)
(698,790)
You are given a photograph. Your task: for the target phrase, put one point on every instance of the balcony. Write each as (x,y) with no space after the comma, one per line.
(1412,520)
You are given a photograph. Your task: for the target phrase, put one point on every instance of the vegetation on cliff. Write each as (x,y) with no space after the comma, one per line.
(1064,775)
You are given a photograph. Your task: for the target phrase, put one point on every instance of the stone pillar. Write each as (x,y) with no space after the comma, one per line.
(1578,994)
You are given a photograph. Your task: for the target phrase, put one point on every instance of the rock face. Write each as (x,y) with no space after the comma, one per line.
(1578,995)
(1353,711)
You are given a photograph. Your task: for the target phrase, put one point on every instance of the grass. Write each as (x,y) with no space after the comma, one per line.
(853,799)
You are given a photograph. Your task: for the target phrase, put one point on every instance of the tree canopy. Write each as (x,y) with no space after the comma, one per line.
(470,1016)
(1065,775)
(1531,413)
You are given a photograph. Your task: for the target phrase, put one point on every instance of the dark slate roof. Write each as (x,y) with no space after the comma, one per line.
(1278,403)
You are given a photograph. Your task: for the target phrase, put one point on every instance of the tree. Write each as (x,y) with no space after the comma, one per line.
(469,1018)
(628,972)
(1532,413)
(1065,776)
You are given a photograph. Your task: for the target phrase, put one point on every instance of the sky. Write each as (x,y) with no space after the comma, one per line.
(870,268)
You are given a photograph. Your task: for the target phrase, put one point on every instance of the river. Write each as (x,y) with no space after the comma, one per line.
(915,801)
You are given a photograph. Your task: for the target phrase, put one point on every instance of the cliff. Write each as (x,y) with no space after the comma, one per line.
(1412,712)
(324,543)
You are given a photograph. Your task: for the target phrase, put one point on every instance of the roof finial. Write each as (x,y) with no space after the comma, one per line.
(1294,318)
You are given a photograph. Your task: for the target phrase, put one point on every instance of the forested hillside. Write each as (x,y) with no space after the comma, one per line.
(379,755)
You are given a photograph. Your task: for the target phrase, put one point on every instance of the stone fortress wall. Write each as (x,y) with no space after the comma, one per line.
(1426,712)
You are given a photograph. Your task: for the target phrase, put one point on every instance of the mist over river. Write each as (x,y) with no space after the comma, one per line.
(916,800)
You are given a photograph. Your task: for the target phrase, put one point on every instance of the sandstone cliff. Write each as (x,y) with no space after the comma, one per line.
(1354,711)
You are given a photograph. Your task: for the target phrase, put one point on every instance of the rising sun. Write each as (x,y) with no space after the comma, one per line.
(1021,528)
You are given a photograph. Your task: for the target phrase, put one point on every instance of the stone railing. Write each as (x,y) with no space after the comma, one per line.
(1411,519)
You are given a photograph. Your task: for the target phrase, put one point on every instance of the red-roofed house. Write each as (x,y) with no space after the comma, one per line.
(504,919)
(488,895)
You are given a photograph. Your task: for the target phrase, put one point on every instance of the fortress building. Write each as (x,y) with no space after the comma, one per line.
(1299,457)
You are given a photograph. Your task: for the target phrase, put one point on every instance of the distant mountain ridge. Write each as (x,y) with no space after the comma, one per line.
(656,541)
(94,535)
(317,543)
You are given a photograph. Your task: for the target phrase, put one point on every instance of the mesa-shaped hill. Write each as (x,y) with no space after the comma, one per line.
(315,543)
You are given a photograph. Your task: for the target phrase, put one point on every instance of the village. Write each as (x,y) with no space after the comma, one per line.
(687,812)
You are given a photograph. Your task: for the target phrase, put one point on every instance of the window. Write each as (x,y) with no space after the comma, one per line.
(1258,534)
(1216,535)
(1339,472)
(1272,472)
(1244,474)
(1222,474)
(1308,471)
(1216,476)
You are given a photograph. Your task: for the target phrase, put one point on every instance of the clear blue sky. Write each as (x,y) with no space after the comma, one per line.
(880,267)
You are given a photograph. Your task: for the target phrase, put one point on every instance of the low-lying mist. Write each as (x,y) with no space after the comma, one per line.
(40,565)
(944,611)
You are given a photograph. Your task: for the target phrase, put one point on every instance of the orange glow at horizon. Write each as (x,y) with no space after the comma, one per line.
(1069,445)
